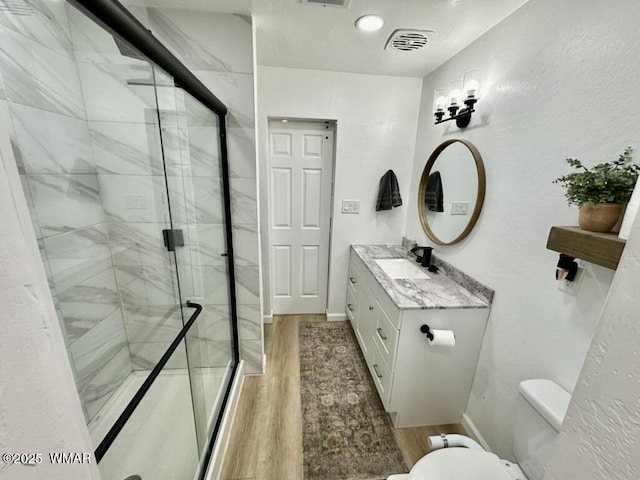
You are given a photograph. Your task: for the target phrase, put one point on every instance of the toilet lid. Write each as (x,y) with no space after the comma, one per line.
(459,463)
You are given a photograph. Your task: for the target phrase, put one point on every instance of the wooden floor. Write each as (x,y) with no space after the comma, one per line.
(266,439)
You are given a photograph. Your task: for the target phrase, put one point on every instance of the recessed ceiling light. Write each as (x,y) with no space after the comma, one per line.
(370,23)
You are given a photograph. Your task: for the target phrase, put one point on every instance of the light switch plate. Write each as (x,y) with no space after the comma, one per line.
(459,208)
(350,206)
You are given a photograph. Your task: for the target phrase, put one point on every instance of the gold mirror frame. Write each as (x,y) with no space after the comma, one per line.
(422,190)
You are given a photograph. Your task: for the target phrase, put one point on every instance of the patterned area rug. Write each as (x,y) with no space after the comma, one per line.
(346,434)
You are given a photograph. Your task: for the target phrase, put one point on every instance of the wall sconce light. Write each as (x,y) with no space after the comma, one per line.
(451,99)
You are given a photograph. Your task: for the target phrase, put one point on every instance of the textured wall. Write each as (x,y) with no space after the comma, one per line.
(39,408)
(376,126)
(600,437)
(556,82)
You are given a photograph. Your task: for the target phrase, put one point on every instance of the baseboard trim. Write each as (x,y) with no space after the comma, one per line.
(214,469)
(473,431)
(264,364)
(262,371)
(336,317)
(268,318)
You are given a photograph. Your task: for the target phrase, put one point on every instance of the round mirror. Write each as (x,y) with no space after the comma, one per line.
(451,192)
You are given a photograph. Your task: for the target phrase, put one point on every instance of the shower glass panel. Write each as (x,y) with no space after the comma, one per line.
(190,137)
(125,188)
(159,440)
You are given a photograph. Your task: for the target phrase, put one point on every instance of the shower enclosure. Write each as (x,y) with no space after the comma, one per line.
(122,155)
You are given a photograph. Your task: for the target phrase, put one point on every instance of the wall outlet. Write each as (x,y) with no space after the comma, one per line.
(350,206)
(572,287)
(135,202)
(459,208)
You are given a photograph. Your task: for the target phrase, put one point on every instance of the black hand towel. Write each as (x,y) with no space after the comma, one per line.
(433,197)
(388,192)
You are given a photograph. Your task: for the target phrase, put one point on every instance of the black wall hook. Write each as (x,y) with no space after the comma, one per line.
(425,329)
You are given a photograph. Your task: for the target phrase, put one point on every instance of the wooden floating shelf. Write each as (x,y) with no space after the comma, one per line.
(600,248)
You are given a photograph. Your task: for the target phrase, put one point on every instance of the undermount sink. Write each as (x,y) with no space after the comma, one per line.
(401,268)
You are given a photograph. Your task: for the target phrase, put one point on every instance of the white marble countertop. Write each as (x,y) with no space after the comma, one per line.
(438,291)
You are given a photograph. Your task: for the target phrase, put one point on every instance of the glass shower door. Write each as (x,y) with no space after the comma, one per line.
(154,238)
(168,433)
(191,136)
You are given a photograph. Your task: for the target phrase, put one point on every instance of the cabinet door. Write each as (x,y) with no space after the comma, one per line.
(354,279)
(352,309)
(382,377)
(354,285)
(367,306)
(386,336)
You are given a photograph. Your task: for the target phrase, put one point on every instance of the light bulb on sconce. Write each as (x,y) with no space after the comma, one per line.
(440,100)
(470,94)
(455,99)
(471,87)
(454,96)
(471,82)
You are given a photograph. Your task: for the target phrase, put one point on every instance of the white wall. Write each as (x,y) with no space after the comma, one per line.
(39,408)
(599,437)
(376,127)
(557,82)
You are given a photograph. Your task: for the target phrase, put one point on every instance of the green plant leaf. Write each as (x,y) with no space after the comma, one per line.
(608,182)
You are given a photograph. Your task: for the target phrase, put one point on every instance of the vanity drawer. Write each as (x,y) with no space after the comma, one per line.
(354,280)
(352,306)
(386,336)
(384,300)
(382,377)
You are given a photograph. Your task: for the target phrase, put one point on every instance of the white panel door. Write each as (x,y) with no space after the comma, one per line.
(300,176)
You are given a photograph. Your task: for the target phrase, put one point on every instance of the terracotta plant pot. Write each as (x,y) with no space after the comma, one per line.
(599,218)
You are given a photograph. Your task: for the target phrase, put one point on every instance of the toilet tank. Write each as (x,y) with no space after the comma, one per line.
(540,410)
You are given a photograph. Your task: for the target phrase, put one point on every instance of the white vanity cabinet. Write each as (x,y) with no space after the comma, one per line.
(418,384)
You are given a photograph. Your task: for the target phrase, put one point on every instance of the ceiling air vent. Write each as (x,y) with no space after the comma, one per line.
(407,40)
(328,3)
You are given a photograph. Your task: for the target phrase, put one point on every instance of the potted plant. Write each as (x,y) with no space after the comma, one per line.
(600,191)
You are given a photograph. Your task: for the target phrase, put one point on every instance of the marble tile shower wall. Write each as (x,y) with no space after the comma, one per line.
(218,49)
(52,146)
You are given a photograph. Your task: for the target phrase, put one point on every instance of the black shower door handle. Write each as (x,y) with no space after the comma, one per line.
(144,388)
(195,314)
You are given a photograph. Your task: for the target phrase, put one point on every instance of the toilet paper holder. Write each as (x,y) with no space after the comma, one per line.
(426,330)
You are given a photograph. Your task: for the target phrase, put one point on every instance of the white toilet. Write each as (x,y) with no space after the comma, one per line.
(540,410)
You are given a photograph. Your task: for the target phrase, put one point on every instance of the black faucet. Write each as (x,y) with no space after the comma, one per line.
(425,259)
